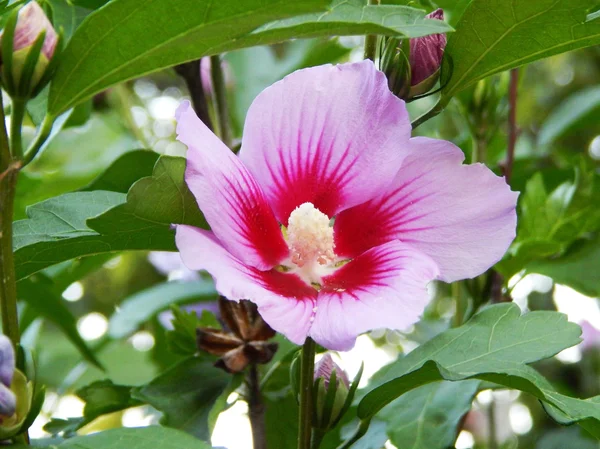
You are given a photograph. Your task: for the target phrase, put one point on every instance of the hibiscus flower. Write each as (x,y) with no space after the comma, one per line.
(332,219)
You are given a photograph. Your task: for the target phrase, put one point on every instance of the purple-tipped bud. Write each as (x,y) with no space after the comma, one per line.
(7,360)
(206,76)
(590,336)
(31,23)
(8,402)
(324,368)
(426,53)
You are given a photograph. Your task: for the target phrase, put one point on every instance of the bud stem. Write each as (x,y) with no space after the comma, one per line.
(371,40)
(256,410)
(40,139)
(218,82)
(307,368)
(9,169)
(16,123)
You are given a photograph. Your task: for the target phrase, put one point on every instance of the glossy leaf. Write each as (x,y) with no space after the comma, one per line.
(86,223)
(57,230)
(496,345)
(186,394)
(125,171)
(428,417)
(127,38)
(142,306)
(39,293)
(495,35)
(136,438)
(102,54)
(578,268)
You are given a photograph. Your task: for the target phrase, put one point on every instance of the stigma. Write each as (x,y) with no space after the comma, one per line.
(309,236)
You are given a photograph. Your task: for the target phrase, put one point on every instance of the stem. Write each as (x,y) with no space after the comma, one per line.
(371,40)
(307,369)
(9,169)
(16,123)
(439,107)
(256,410)
(512,123)
(492,439)
(40,139)
(461,304)
(220,92)
(191,74)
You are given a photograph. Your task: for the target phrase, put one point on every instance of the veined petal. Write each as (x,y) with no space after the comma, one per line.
(333,136)
(284,301)
(228,195)
(462,216)
(385,287)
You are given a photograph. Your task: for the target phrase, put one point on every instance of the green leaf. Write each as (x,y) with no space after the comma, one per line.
(136,438)
(186,394)
(550,222)
(39,293)
(578,268)
(349,17)
(107,50)
(495,35)
(495,345)
(125,171)
(85,223)
(57,230)
(428,416)
(142,306)
(566,438)
(115,43)
(182,339)
(572,114)
(164,197)
(101,397)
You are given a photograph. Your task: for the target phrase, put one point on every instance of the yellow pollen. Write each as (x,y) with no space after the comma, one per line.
(310,237)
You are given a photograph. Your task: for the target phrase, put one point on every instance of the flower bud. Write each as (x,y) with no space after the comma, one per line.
(333,393)
(8,401)
(412,66)
(426,55)
(22,391)
(30,58)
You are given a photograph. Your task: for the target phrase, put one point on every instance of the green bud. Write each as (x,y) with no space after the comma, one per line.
(23,391)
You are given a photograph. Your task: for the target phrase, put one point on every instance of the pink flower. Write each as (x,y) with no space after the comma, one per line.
(590,336)
(334,142)
(426,53)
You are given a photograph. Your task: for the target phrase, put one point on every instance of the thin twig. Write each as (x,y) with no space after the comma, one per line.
(371,40)
(220,98)
(307,368)
(256,410)
(191,74)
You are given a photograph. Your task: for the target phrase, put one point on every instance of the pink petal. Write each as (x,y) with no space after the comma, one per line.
(228,195)
(284,300)
(329,135)
(384,287)
(462,216)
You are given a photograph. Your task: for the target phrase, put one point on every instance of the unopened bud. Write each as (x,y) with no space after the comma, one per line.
(12,419)
(8,401)
(27,71)
(426,55)
(332,393)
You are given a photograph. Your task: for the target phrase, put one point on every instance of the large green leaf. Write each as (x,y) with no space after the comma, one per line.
(578,268)
(40,293)
(428,417)
(496,345)
(128,38)
(57,230)
(186,394)
(140,307)
(497,35)
(348,17)
(85,223)
(136,438)
(113,44)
